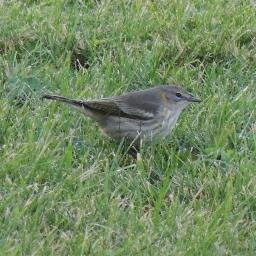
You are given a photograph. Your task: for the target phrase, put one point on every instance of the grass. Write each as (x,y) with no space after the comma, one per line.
(66,189)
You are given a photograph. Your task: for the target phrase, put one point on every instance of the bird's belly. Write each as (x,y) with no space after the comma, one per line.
(148,130)
(119,128)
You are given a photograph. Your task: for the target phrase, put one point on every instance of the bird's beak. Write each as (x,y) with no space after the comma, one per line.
(193,99)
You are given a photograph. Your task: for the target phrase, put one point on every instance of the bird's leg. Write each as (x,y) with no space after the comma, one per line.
(133,152)
(138,157)
(134,147)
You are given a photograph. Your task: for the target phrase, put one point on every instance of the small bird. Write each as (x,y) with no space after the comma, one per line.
(146,115)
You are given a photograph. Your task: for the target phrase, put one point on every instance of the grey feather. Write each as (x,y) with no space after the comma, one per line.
(150,113)
(144,104)
(133,105)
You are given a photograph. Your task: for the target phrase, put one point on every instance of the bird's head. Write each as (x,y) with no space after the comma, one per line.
(176,96)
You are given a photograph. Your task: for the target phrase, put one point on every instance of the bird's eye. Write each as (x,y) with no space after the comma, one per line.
(178,94)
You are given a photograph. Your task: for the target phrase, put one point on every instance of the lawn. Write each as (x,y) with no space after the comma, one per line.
(65,189)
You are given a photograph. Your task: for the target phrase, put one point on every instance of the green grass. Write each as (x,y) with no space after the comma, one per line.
(66,189)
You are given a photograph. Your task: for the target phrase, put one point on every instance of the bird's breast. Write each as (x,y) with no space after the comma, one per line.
(169,120)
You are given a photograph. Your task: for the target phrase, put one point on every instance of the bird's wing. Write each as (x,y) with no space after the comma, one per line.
(110,107)
(142,106)
(104,106)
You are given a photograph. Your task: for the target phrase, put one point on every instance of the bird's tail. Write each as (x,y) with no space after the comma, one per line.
(76,103)
(80,105)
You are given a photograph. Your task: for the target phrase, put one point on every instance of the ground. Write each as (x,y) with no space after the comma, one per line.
(65,189)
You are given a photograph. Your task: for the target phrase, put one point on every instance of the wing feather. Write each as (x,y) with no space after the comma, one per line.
(142,106)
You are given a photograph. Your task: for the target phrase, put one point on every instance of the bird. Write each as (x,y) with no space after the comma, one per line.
(147,115)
